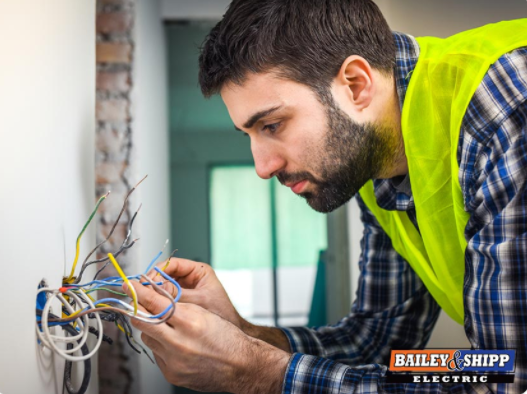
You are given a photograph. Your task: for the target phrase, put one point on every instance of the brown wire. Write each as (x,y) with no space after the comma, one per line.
(113,227)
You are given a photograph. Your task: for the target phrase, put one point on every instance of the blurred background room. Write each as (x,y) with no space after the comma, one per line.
(96,94)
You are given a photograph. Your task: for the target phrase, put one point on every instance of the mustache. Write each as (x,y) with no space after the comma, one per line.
(284,177)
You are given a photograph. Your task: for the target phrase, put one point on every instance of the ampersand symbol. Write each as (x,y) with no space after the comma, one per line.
(458,364)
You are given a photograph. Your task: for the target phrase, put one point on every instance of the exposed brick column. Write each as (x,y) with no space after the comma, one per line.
(118,365)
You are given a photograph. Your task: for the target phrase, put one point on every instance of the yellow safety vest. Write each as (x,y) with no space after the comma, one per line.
(442,84)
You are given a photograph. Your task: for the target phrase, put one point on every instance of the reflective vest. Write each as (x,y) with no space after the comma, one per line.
(442,84)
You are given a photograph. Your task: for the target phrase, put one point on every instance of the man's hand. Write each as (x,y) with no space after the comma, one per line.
(201,287)
(200,350)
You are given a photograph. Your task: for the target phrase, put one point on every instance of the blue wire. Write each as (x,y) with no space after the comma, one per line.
(171,280)
(115,282)
(102,283)
(153,262)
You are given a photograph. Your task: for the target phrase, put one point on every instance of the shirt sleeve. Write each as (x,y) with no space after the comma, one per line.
(495,290)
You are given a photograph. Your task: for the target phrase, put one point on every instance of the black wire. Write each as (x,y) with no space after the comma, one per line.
(123,247)
(84,349)
(128,331)
(68,365)
(118,318)
(105,337)
(125,205)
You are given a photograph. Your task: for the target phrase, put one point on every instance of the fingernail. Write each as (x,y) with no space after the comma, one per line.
(125,287)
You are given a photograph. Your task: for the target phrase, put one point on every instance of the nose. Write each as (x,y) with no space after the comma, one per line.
(267,159)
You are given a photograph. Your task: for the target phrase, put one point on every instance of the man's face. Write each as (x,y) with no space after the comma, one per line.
(307,142)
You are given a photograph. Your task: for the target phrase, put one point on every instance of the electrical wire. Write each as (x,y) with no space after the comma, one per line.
(68,367)
(83,313)
(124,246)
(155,258)
(127,309)
(125,204)
(125,279)
(77,247)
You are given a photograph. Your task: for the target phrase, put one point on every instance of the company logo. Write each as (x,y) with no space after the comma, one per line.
(451,365)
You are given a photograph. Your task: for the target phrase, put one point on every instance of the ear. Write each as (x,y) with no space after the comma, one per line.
(355,81)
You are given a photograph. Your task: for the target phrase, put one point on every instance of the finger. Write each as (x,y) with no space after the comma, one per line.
(191,296)
(187,272)
(152,301)
(153,330)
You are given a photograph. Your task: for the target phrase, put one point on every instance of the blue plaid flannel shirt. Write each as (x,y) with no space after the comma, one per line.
(393,309)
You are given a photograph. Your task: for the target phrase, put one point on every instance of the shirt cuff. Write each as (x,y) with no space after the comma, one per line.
(304,340)
(316,375)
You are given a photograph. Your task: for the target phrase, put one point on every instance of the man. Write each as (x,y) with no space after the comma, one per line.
(331,100)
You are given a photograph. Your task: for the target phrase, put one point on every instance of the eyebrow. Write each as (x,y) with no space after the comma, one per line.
(257,116)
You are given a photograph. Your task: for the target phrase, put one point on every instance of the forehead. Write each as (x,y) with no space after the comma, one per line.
(263,91)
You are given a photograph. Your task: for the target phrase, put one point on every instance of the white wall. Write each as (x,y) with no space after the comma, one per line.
(441,19)
(150,100)
(47,101)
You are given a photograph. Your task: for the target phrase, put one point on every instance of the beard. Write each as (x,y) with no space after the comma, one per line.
(350,156)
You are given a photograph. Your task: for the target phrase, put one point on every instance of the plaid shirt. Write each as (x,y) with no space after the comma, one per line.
(393,309)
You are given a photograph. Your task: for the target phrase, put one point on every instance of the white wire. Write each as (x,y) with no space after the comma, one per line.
(80,339)
(83,334)
(56,337)
(48,339)
(83,325)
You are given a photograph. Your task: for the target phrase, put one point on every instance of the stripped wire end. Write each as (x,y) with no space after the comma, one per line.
(167,262)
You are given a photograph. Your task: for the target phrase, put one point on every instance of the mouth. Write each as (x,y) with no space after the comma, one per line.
(297,187)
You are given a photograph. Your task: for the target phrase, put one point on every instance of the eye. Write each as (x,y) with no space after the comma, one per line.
(271,128)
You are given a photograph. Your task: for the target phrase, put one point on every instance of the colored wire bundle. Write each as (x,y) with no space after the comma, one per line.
(82,314)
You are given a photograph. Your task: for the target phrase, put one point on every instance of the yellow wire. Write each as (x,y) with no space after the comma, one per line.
(77,246)
(164,268)
(122,329)
(125,279)
(104,305)
(80,310)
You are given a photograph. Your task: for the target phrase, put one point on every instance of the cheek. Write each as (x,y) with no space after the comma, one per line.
(305,138)
(308,152)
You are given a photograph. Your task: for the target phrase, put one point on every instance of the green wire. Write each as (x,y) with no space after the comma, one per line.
(92,215)
(80,235)
(108,290)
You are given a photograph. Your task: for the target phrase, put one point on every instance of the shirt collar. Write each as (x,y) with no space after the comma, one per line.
(388,192)
(406,56)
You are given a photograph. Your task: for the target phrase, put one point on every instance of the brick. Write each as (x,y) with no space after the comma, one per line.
(108,172)
(114,22)
(114,52)
(110,141)
(112,110)
(114,81)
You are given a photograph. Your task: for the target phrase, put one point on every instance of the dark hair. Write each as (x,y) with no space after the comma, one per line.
(303,40)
